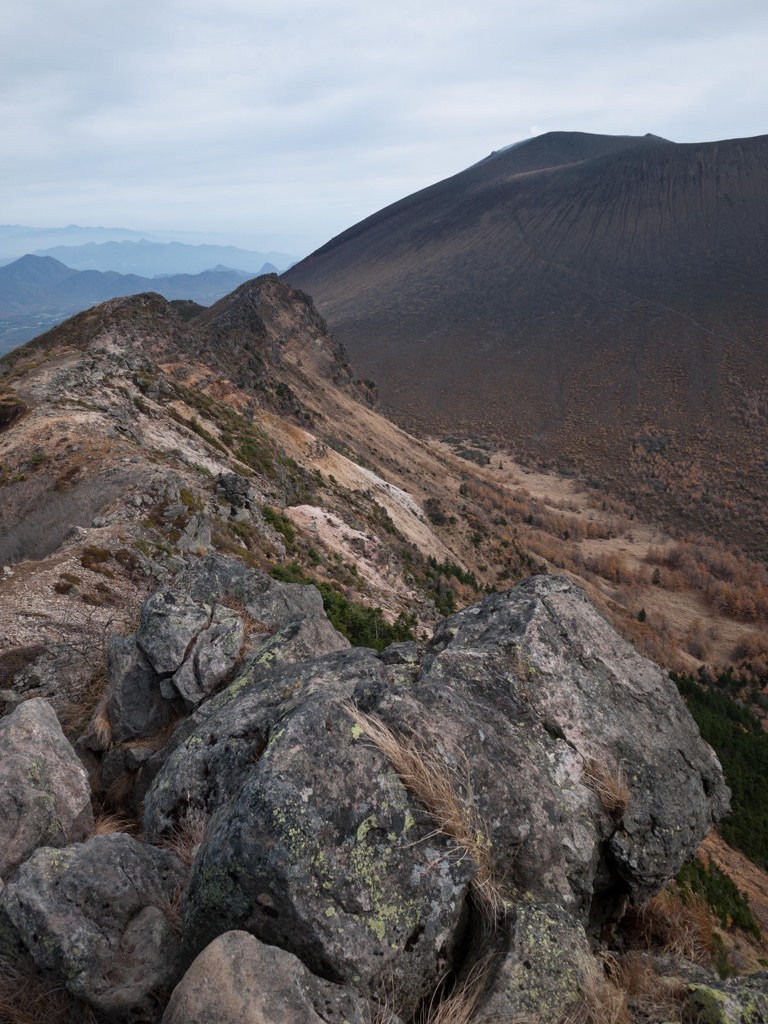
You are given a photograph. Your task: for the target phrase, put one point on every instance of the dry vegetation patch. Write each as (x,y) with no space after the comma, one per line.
(446,794)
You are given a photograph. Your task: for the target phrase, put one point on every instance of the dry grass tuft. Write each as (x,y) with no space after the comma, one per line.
(437,787)
(108,824)
(87,710)
(28,997)
(676,924)
(119,796)
(650,996)
(154,742)
(607,781)
(601,1001)
(171,907)
(101,726)
(187,836)
(459,1006)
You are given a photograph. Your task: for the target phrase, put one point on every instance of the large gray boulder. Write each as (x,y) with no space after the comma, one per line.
(211,755)
(45,799)
(239,980)
(543,970)
(96,915)
(213,577)
(213,656)
(170,621)
(585,762)
(300,640)
(322,851)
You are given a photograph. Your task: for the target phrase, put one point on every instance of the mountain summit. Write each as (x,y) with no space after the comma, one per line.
(594,300)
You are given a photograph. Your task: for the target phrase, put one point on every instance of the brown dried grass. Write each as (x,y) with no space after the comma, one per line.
(29,997)
(650,996)
(601,1000)
(101,726)
(437,787)
(680,926)
(107,824)
(120,794)
(86,710)
(187,835)
(606,779)
(459,1005)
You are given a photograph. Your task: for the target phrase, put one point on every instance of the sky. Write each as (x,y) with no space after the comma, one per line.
(278,125)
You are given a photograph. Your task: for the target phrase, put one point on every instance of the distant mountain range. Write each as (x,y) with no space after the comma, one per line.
(37,292)
(145,253)
(150,259)
(599,302)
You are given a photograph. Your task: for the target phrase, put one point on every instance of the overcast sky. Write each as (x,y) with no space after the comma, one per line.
(280,124)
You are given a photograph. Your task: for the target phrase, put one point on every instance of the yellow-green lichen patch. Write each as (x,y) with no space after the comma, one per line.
(369,865)
(218,895)
(715,1007)
(365,827)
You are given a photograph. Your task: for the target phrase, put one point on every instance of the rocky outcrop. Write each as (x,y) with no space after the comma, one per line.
(370,830)
(189,642)
(738,1001)
(45,799)
(583,756)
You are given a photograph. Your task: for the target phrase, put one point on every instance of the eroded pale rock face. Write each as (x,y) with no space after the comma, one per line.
(45,799)
(239,980)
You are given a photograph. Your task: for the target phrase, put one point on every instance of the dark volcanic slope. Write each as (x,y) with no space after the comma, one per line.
(590,298)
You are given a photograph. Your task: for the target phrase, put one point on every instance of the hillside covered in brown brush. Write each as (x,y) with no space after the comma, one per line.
(592,300)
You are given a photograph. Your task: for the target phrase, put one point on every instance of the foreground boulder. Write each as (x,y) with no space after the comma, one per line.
(239,980)
(45,799)
(97,916)
(584,760)
(318,846)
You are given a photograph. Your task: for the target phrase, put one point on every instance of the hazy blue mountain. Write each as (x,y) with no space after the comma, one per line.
(37,292)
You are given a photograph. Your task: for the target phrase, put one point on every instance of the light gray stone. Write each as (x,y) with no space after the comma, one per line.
(45,798)
(239,980)
(170,621)
(93,914)
(213,657)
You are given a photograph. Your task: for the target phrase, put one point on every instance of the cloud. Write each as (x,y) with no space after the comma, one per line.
(299,119)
